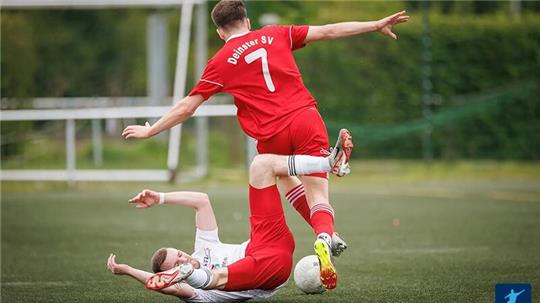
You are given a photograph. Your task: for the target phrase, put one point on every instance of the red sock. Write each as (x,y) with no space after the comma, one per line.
(322,219)
(297,198)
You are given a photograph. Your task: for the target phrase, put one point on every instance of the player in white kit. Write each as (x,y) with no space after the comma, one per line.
(221,272)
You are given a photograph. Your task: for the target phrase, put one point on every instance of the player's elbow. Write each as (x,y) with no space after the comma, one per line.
(188,110)
(321,32)
(328,32)
(203,201)
(185,109)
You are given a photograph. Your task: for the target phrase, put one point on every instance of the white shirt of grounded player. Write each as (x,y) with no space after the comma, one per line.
(213,254)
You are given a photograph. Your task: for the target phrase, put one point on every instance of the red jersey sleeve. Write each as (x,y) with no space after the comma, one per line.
(297,35)
(210,83)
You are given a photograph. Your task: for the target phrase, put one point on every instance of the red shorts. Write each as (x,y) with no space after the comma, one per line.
(268,260)
(306,135)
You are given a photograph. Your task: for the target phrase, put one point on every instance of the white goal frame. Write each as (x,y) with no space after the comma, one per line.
(71,174)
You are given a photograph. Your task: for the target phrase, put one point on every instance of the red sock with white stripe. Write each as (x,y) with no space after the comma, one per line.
(322,219)
(297,198)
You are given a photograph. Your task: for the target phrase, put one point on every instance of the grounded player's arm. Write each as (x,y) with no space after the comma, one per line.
(204,214)
(179,113)
(179,290)
(346,29)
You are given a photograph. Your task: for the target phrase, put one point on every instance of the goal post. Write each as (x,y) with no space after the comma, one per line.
(71,174)
(93,4)
(180,78)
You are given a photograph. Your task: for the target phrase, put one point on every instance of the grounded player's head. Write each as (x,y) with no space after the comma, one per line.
(166,258)
(229,14)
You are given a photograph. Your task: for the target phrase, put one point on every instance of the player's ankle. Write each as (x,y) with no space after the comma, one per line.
(326,238)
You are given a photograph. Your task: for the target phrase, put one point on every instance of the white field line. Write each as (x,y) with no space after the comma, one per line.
(441,193)
(51,283)
(515,196)
(420,193)
(430,250)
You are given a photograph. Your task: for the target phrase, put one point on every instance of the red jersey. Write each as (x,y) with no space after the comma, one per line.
(258,69)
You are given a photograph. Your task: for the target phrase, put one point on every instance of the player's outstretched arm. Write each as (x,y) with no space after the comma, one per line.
(204,214)
(179,113)
(346,29)
(182,291)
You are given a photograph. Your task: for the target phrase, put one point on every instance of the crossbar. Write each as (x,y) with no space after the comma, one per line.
(161,175)
(109,113)
(92,4)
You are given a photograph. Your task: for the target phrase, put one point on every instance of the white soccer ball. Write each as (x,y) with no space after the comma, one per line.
(306,275)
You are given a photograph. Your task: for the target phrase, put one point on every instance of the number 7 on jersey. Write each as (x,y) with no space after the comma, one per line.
(261,53)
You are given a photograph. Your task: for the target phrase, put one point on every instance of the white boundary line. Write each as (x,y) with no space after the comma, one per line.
(84,175)
(108,113)
(91,4)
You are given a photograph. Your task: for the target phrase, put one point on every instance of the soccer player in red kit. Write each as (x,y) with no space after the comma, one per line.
(258,69)
(220,272)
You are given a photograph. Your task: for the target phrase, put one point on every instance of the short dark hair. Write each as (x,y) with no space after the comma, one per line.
(228,12)
(158,258)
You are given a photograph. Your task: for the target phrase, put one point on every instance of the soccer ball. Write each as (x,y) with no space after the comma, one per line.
(306,275)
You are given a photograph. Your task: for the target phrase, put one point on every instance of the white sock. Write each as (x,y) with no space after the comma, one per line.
(200,278)
(326,237)
(304,165)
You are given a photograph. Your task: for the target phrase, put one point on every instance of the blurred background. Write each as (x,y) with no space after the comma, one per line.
(446,122)
(460,83)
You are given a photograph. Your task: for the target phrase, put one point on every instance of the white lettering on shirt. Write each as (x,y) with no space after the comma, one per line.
(240,50)
(267,40)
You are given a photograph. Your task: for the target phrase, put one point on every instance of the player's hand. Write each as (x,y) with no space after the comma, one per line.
(145,198)
(137,131)
(117,269)
(384,26)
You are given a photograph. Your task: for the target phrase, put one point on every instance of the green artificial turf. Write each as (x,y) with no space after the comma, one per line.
(410,240)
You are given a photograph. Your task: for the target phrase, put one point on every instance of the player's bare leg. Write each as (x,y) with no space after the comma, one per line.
(322,217)
(266,167)
(322,213)
(295,195)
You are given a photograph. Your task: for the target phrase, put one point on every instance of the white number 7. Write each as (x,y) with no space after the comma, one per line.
(261,53)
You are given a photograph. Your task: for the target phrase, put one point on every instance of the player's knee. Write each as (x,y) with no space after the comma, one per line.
(261,172)
(285,266)
(260,165)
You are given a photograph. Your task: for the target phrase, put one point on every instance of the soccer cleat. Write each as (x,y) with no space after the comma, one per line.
(328,274)
(169,277)
(340,154)
(338,245)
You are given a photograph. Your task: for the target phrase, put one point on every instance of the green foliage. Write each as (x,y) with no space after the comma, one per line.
(368,83)
(73,53)
(372,82)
